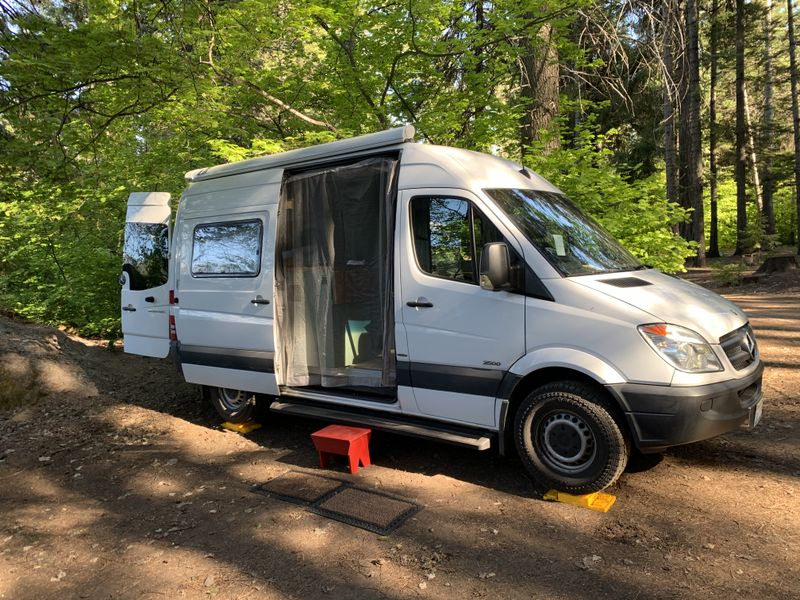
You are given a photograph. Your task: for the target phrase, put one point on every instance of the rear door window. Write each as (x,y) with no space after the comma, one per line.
(145,254)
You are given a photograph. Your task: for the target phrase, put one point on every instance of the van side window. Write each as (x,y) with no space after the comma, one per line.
(145,254)
(449,233)
(227,249)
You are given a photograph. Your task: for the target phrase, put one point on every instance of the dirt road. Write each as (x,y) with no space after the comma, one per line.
(116,482)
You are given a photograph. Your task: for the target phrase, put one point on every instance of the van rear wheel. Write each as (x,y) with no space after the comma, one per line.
(568,439)
(235,406)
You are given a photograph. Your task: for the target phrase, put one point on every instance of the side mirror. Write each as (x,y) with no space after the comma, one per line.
(495,267)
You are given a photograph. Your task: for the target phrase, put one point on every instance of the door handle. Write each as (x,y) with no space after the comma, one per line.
(150,299)
(259,300)
(129,308)
(420,302)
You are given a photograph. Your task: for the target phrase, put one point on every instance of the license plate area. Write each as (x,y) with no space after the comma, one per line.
(755,414)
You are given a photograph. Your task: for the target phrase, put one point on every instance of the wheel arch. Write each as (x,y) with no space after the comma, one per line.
(519,389)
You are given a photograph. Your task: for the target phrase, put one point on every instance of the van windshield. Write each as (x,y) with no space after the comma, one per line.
(572,242)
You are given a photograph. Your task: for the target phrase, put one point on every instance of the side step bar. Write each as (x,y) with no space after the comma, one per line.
(477,440)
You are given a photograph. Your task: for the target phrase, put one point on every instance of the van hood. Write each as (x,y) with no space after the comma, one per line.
(670,300)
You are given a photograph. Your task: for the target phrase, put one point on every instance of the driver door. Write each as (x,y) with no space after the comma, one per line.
(461,339)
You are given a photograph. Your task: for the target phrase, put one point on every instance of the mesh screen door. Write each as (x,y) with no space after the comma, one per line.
(334,305)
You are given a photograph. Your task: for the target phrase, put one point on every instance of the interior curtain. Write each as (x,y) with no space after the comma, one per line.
(334,305)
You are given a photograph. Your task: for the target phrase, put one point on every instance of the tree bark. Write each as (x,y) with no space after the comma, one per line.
(751,152)
(795,113)
(539,89)
(741,145)
(766,171)
(690,152)
(669,104)
(713,243)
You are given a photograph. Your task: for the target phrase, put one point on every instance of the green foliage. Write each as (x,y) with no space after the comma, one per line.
(58,251)
(635,212)
(230,152)
(98,99)
(755,239)
(729,275)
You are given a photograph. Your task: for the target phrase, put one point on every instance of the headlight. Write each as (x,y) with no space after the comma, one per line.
(681,347)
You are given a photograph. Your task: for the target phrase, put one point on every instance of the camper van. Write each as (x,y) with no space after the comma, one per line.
(434,292)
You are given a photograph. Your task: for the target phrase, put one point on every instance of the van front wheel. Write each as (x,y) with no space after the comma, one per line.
(235,406)
(568,439)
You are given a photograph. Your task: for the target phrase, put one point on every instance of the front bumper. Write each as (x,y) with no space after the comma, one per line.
(663,416)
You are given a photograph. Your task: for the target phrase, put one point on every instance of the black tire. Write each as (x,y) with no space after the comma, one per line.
(568,439)
(234,406)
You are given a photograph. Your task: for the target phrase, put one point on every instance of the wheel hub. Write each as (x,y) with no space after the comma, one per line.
(566,441)
(233,399)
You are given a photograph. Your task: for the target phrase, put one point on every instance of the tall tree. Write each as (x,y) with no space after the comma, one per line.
(795,112)
(539,88)
(713,244)
(668,99)
(690,153)
(752,154)
(767,123)
(741,134)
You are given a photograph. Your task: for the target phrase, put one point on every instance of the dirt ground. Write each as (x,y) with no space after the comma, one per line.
(116,481)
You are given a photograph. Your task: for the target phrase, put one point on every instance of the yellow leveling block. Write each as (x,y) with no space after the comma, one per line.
(599,501)
(246,427)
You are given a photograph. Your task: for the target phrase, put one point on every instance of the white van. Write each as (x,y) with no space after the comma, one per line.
(435,292)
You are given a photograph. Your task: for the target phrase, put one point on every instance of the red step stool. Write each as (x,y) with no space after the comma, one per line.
(352,442)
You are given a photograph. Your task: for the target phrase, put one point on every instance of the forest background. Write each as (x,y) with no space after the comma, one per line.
(669,121)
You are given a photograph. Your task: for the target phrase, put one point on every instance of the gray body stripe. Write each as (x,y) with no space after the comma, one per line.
(445,378)
(228,358)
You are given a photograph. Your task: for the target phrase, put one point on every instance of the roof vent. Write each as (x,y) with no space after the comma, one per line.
(626,282)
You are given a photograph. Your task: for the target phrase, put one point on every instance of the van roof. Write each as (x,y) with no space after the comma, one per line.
(427,165)
(424,165)
(356,145)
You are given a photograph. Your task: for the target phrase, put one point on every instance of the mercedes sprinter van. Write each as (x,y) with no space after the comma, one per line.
(435,292)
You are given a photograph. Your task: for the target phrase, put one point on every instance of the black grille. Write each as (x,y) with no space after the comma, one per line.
(740,347)
(626,282)
(749,395)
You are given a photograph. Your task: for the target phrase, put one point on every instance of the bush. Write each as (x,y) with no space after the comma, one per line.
(729,275)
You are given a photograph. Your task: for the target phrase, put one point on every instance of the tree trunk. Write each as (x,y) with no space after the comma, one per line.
(668,94)
(539,89)
(751,152)
(713,243)
(741,146)
(690,152)
(574,86)
(795,114)
(766,170)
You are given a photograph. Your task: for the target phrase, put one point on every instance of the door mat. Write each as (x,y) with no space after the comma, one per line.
(299,487)
(339,500)
(367,509)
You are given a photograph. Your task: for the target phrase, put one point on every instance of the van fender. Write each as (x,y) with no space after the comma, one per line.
(567,358)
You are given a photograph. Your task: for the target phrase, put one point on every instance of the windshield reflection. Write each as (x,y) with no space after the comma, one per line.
(570,240)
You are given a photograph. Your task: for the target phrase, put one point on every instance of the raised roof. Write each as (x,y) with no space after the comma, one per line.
(372,141)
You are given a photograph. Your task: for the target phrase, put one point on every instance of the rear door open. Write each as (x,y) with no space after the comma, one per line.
(145,271)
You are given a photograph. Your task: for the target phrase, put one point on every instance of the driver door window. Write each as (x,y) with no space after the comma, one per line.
(449,234)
